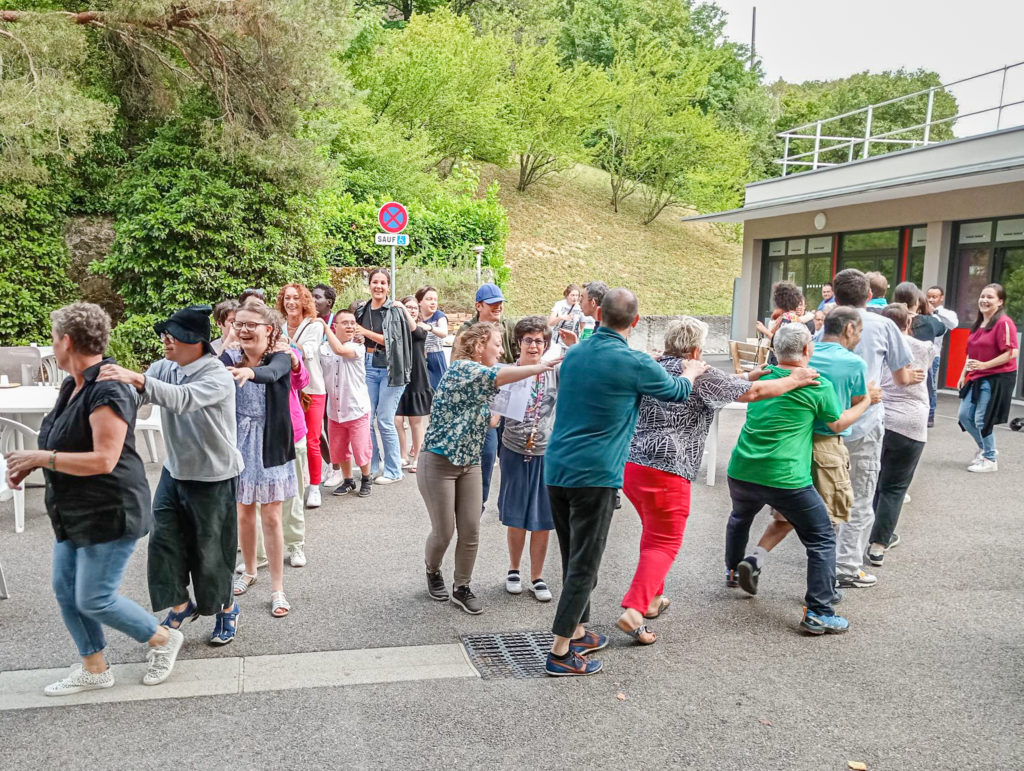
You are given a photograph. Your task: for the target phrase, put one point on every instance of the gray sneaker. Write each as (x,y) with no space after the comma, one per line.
(463,597)
(436,587)
(80,680)
(162,658)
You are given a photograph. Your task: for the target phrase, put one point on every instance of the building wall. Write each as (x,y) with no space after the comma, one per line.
(938,211)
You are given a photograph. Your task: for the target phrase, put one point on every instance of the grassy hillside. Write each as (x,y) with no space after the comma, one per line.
(564,231)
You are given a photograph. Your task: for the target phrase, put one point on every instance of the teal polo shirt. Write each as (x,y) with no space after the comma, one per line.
(599,389)
(846,371)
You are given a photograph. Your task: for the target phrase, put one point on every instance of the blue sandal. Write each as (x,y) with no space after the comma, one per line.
(225,627)
(175,620)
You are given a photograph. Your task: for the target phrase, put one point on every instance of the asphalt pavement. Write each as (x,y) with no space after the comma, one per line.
(929,676)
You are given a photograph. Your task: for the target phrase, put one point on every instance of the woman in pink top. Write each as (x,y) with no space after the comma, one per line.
(986,383)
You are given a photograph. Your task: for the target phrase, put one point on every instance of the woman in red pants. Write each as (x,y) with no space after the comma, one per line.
(664,458)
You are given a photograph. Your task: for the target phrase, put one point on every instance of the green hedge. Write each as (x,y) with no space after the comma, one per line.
(134,343)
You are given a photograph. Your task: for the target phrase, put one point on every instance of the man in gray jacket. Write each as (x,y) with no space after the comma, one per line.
(196,526)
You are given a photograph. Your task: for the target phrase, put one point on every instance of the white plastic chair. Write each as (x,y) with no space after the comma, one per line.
(52,374)
(16,436)
(150,427)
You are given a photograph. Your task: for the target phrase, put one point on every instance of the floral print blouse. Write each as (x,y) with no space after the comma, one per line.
(459,416)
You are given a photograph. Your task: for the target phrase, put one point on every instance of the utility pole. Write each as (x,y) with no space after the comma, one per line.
(753,36)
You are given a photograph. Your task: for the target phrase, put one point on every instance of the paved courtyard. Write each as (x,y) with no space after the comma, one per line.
(930,676)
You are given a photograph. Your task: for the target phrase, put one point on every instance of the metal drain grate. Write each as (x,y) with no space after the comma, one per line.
(509,654)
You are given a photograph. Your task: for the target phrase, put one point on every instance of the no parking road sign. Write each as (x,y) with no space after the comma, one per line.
(393,217)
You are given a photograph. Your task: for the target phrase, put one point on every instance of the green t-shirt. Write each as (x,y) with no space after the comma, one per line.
(774,448)
(846,371)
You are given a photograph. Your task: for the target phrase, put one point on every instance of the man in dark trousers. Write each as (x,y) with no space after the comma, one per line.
(586,457)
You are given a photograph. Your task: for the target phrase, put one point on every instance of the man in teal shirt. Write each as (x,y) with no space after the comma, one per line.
(771,465)
(835,361)
(586,457)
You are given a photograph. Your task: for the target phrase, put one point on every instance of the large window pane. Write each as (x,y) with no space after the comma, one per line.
(972,275)
(876,239)
(1012,279)
(819,272)
(796,271)
(887,267)
(863,264)
(915,266)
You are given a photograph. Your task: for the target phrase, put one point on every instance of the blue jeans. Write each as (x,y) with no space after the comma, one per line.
(972,418)
(487,456)
(383,406)
(85,580)
(806,512)
(933,388)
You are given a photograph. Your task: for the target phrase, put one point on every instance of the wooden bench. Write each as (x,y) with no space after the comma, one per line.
(747,356)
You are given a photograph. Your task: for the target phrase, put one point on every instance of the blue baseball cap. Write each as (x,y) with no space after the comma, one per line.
(490,294)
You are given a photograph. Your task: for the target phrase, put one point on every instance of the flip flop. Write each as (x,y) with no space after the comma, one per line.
(662,607)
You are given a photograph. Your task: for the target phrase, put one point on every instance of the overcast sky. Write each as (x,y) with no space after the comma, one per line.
(801,40)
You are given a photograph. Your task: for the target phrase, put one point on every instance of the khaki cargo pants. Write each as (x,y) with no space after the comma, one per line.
(830,470)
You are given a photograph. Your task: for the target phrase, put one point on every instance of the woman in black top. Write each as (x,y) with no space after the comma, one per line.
(98,501)
(262,370)
(416,399)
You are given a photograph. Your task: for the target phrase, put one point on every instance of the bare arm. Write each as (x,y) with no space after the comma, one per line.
(108,432)
(907,376)
(440,328)
(767,389)
(346,350)
(508,375)
(859,406)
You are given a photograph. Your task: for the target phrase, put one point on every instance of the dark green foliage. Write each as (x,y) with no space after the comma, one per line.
(34,259)
(192,227)
(134,343)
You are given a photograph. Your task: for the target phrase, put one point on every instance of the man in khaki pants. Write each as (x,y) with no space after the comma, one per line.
(834,360)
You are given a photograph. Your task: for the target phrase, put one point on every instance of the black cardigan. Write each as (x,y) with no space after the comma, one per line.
(998,410)
(278,433)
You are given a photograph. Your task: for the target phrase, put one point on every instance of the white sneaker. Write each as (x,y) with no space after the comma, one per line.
(513,583)
(906,497)
(383,480)
(983,466)
(80,680)
(162,658)
(335,478)
(240,567)
(298,558)
(860,580)
(540,590)
(313,499)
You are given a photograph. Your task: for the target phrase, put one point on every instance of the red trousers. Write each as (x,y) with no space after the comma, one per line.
(314,425)
(663,502)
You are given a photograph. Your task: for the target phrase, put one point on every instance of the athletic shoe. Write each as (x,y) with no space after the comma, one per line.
(240,567)
(894,541)
(860,580)
(984,466)
(383,480)
(814,623)
(297,558)
(906,497)
(225,626)
(876,558)
(540,590)
(347,486)
(731,579)
(463,597)
(931,422)
(313,497)
(980,456)
(747,573)
(838,597)
(436,587)
(513,583)
(618,500)
(335,478)
(162,658)
(589,642)
(365,487)
(80,680)
(572,665)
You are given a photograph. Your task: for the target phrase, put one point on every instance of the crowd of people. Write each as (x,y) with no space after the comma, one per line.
(293,388)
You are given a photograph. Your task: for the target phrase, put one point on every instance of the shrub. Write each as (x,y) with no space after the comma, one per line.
(34,259)
(193,226)
(134,343)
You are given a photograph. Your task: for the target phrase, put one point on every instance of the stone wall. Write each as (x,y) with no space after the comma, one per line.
(89,239)
(650,333)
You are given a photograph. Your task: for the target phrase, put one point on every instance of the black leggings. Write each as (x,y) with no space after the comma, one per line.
(900,455)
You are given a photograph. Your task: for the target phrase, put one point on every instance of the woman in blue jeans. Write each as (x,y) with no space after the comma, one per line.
(98,501)
(387,328)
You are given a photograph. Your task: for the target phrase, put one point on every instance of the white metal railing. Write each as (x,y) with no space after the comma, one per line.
(823,155)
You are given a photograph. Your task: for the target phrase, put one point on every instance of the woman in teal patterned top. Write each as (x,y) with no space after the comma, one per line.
(449,470)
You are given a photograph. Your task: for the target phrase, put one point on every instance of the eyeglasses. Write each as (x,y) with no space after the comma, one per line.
(533,341)
(167,337)
(249,326)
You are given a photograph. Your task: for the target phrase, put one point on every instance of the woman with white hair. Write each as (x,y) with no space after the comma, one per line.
(664,458)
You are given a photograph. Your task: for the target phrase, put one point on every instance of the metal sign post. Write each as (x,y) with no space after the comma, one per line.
(479,252)
(393,218)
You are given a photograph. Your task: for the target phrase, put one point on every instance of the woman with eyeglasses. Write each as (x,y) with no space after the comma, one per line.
(262,370)
(523,504)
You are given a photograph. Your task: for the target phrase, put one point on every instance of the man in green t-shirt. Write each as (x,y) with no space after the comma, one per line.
(771,465)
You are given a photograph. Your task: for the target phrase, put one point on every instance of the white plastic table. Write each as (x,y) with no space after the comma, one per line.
(28,404)
(711,445)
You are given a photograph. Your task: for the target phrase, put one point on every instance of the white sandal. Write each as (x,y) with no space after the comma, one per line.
(242,583)
(278,603)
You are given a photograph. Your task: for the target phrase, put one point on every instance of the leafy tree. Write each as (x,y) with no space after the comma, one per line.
(550,110)
(817,100)
(436,76)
